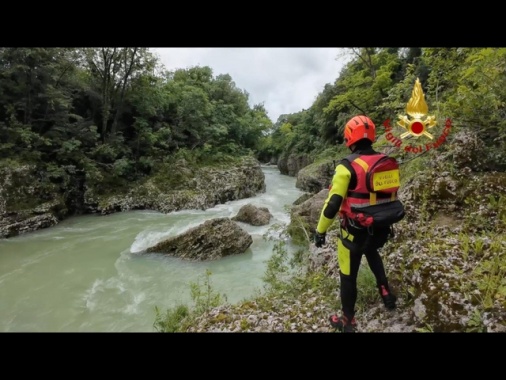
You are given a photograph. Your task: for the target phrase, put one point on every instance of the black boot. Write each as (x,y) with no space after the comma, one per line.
(389,299)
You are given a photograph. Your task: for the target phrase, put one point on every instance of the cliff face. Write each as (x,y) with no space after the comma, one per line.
(292,164)
(312,175)
(30,201)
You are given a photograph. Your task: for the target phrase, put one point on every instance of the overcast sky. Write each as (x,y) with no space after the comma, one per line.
(285,80)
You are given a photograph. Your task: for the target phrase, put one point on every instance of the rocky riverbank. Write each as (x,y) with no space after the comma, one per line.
(446,262)
(28,202)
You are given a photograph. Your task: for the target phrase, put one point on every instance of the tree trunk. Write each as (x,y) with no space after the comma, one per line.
(126,76)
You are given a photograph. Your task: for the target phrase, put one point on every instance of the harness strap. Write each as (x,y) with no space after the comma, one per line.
(355,194)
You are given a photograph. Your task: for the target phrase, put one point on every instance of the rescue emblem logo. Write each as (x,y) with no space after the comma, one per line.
(418,125)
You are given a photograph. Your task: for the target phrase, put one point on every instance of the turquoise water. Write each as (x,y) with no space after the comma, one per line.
(89,273)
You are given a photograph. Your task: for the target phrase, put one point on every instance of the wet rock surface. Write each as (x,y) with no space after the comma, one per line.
(213,239)
(253,215)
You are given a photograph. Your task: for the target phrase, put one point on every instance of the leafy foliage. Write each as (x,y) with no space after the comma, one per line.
(117,114)
(204,298)
(464,84)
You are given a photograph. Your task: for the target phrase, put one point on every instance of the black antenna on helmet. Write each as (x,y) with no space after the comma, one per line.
(366,124)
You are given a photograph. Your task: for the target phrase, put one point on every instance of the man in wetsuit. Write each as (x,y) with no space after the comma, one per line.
(348,188)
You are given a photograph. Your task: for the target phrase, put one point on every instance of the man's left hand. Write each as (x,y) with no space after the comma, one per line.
(319,239)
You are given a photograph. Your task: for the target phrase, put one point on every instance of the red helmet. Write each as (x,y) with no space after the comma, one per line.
(358,128)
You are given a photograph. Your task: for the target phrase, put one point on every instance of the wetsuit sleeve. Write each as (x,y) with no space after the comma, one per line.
(337,192)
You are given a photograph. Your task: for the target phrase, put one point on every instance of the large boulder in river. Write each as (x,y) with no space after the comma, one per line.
(251,214)
(213,239)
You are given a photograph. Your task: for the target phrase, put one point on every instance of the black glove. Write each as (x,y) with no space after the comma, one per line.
(319,239)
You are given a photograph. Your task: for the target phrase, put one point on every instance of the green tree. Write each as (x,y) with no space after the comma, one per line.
(112,72)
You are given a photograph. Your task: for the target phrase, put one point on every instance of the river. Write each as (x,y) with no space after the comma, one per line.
(89,273)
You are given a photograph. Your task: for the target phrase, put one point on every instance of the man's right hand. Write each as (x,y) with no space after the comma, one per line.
(319,239)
